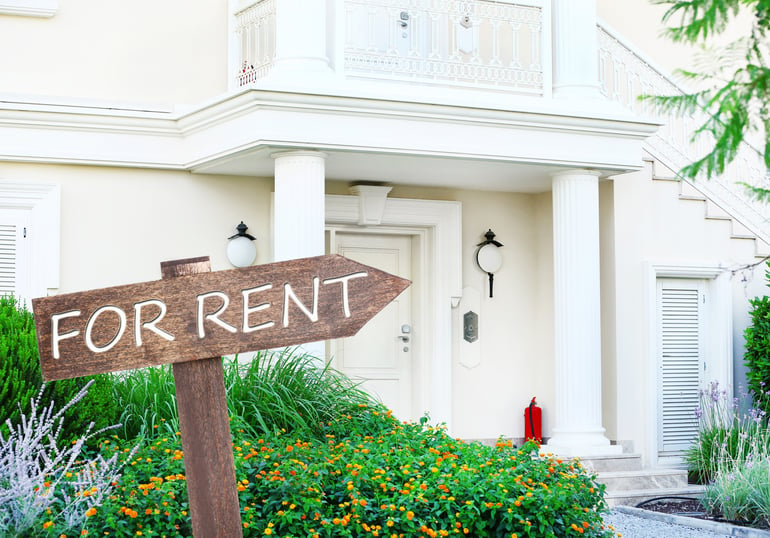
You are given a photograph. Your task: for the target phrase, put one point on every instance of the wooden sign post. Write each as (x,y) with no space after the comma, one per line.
(191,318)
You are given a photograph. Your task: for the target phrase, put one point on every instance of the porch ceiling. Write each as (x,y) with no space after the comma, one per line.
(394,169)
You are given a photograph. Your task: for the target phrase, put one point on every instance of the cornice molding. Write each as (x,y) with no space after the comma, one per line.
(246,120)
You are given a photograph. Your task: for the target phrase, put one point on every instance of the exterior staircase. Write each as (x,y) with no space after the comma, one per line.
(628,484)
(713,211)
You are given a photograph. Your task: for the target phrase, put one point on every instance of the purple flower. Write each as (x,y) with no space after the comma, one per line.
(698,412)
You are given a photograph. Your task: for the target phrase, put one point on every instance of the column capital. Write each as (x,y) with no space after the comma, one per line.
(299,153)
(576,172)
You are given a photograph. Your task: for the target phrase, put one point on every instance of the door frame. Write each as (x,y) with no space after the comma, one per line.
(437,225)
(717,340)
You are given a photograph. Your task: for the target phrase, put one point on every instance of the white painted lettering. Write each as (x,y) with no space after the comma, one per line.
(344,281)
(152,324)
(288,293)
(92,321)
(247,310)
(215,316)
(55,336)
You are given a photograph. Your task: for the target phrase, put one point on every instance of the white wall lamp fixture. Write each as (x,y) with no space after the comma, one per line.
(241,249)
(488,257)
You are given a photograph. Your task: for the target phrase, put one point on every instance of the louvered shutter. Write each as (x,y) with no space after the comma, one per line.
(8,247)
(14,253)
(679,356)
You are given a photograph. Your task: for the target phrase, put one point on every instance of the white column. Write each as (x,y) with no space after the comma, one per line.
(300,39)
(298,212)
(298,205)
(575,49)
(578,427)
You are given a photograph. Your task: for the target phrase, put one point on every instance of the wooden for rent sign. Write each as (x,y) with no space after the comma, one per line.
(208,314)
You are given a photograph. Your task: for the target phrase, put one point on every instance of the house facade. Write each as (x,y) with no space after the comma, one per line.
(398,133)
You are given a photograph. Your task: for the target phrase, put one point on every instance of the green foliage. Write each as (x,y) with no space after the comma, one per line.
(736,100)
(372,476)
(757,356)
(276,391)
(147,400)
(20,377)
(288,391)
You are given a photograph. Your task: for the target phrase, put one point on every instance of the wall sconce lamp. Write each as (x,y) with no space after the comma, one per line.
(488,257)
(241,249)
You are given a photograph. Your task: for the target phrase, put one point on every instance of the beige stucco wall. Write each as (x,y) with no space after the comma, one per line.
(172,52)
(117,225)
(653,226)
(516,325)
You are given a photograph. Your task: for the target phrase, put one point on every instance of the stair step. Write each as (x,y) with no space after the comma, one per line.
(633,497)
(616,463)
(644,480)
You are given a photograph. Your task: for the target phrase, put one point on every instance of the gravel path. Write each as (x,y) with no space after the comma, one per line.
(636,523)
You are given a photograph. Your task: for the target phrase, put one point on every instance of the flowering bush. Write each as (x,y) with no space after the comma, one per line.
(369,475)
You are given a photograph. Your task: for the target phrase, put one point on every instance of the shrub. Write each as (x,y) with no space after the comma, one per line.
(757,356)
(20,377)
(372,476)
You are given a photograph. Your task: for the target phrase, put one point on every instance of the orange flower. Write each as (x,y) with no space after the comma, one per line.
(47,524)
(91,512)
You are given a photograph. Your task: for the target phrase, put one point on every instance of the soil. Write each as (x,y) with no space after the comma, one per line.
(692,508)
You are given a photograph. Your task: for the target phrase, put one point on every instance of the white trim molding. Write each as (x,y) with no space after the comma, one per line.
(718,333)
(29,8)
(442,222)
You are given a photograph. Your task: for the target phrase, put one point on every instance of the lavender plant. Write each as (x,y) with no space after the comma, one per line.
(44,482)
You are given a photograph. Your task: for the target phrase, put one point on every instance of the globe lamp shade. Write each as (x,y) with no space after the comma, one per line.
(241,249)
(489,259)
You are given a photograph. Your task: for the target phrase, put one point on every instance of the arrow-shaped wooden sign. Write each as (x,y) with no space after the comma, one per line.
(208,314)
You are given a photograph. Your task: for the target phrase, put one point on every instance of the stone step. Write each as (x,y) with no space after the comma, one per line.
(620,462)
(633,497)
(647,479)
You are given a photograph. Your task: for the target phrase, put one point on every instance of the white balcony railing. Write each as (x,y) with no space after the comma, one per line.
(624,76)
(479,43)
(255,32)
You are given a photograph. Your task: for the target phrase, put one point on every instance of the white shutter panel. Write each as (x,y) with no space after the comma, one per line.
(679,326)
(8,258)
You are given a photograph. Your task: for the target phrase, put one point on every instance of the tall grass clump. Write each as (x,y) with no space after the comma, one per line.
(46,482)
(289,391)
(284,390)
(147,399)
(732,454)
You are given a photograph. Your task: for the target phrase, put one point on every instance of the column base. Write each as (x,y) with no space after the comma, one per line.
(574,444)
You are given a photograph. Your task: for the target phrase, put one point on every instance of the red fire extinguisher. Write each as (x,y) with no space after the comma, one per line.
(533,418)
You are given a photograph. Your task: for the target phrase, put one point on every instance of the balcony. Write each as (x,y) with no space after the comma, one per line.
(494,45)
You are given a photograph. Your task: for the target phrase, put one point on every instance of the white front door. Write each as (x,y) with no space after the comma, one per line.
(380,355)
